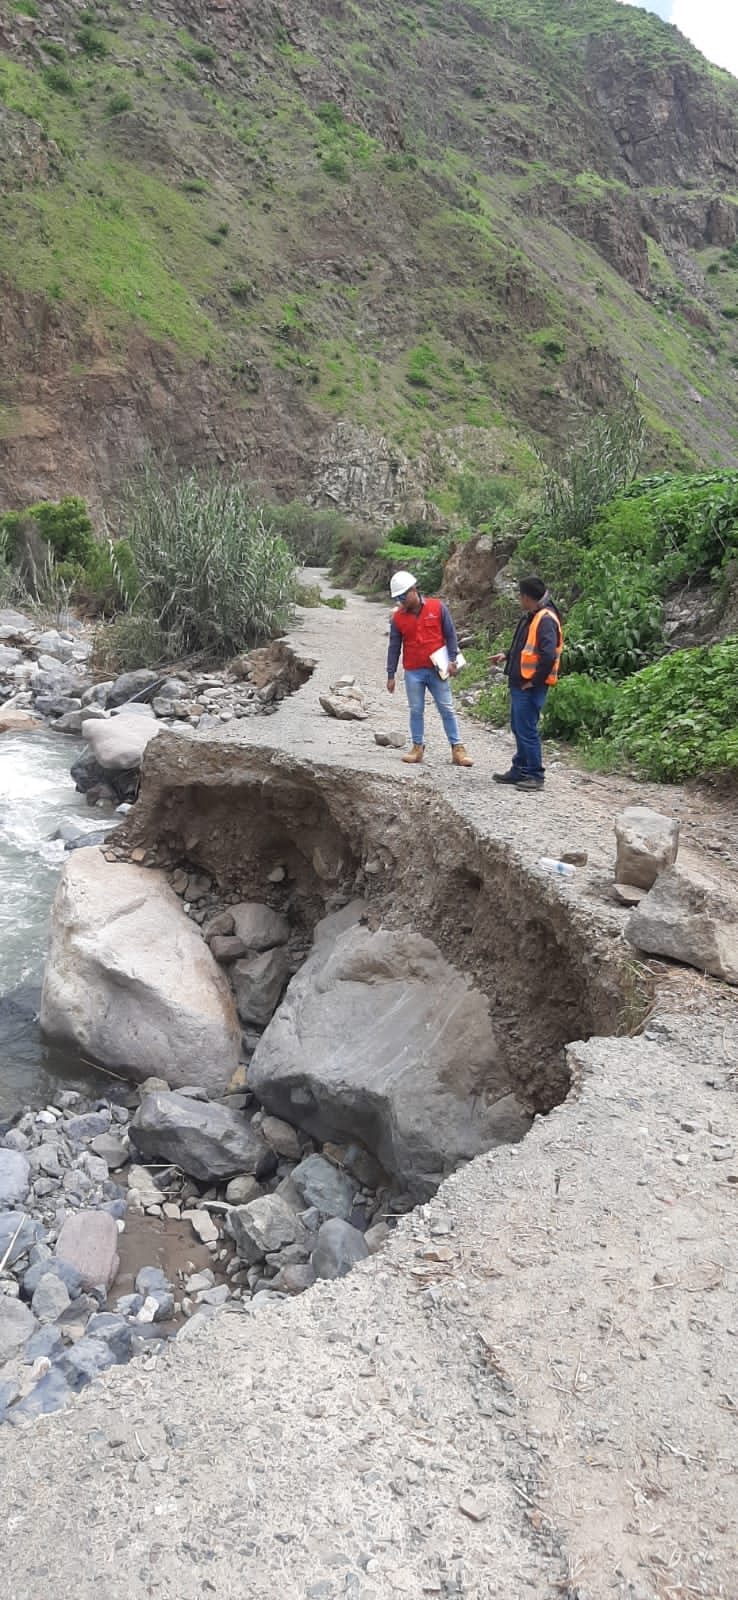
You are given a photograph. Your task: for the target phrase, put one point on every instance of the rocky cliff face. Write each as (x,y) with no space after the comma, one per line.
(317,241)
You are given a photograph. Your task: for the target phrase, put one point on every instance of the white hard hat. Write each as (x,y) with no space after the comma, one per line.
(400,582)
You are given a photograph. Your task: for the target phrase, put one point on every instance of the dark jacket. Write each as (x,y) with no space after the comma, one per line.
(548,640)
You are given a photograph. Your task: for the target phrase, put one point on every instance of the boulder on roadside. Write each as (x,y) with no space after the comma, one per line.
(89,1242)
(347,703)
(258,982)
(130,981)
(380,1039)
(690,915)
(206,1140)
(647,843)
(118,743)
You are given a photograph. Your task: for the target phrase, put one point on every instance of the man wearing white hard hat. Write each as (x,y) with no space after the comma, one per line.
(421,629)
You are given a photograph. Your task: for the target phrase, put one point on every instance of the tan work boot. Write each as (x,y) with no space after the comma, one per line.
(460,757)
(415,755)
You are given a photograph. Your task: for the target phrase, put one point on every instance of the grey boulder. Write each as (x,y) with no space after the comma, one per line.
(265,1226)
(690,915)
(258,926)
(17,1323)
(321,1185)
(15,1177)
(379,1039)
(130,981)
(647,843)
(17,1234)
(258,982)
(130,684)
(50,1298)
(207,1141)
(338,1249)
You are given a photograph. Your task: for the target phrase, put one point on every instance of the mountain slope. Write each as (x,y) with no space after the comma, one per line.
(321,238)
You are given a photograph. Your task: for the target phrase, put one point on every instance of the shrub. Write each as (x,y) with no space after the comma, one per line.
(91,42)
(417,535)
(52,47)
(204,53)
(480,500)
(618,627)
(215,577)
(313,535)
(335,166)
(241,290)
(57,79)
(117,104)
(593,470)
(679,717)
(579,707)
(133,639)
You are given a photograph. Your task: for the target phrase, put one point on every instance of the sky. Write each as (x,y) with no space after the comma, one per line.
(711,24)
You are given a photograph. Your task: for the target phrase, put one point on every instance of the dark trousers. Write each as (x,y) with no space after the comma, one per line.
(526,706)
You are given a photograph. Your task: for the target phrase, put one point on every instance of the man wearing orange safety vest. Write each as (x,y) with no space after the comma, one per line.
(531,667)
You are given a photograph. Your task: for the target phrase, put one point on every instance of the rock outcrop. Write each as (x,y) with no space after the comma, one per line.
(130,981)
(380,1039)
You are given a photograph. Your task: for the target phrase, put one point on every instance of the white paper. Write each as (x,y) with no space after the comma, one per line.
(441,662)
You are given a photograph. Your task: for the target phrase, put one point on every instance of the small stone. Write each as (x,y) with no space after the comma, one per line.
(282,1137)
(202,1225)
(198,1281)
(323,1186)
(171,1211)
(574,858)
(89,1242)
(629,893)
(243,1189)
(338,1249)
(277,875)
(390,740)
(15,1177)
(474,1505)
(50,1298)
(17,1324)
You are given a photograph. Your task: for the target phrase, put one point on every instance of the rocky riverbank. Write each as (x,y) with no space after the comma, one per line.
(273,1212)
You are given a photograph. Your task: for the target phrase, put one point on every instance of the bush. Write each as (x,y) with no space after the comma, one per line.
(679,717)
(204,53)
(131,640)
(91,42)
(618,627)
(117,104)
(215,577)
(593,471)
(579,707)
(480,500)
(335,166)
(313,535)
(57,79)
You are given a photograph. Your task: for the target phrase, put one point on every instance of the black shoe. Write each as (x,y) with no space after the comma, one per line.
(505,777)
(530,783)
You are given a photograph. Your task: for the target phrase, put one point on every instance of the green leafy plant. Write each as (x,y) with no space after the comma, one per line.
(580,707)
(57,79)
(215,576)
(117,104)
(679,717)
(91,42)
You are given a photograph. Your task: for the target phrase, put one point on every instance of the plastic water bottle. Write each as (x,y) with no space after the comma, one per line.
(558,869)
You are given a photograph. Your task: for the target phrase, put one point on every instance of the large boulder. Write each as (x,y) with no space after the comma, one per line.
(130,981)
(207,1141)
(690,915)
(118,743)
(89,1242)
(378,1038)
(130,684)
(647,843)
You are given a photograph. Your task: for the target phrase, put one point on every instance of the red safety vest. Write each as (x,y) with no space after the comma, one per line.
(421,634)
(530,655)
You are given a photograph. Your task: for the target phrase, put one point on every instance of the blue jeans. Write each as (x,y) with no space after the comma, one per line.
(526,706)
(416,684)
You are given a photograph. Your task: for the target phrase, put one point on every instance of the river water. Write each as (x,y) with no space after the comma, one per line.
(36,794)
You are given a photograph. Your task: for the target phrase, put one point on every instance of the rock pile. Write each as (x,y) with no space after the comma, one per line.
(272,1211)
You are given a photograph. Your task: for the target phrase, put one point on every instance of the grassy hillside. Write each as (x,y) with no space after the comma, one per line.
(430,219)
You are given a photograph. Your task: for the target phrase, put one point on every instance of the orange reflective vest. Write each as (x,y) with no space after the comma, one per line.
(530,655)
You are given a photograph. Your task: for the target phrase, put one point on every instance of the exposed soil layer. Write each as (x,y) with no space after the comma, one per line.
(239,813)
